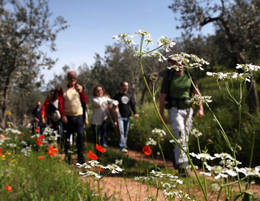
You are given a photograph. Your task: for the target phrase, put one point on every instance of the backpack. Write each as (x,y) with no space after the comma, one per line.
(55,117)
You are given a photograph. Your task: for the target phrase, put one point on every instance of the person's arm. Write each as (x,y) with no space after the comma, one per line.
(61,106)
(200,113)
(162,106)
(83,97)
(133,107)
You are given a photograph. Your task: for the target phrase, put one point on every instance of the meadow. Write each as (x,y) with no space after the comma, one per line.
(222,146)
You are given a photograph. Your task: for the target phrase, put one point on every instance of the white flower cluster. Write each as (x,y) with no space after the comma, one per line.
(11,130)
(195,132)
(190,60)
(115,169)
(248,67)
(27,151)
(197,99)
(227,168)
(159,132)
(230,76)
(163,42)
(176,194)
(151,141)
(166,43)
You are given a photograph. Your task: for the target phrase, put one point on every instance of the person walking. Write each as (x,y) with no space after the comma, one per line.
(126,102)
(99,116)
(177,89)
(54,118)
(36,113)
(70,107)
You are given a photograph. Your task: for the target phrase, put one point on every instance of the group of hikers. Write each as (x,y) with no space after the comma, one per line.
(66,109)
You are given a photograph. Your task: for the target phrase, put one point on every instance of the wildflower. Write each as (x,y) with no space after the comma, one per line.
(39,142)
(160,57)
(37,129)
(90,174)
(8,112)
(197,99)
(151,141)
(195,132)
(9,188)
(159,132)
(22,133)
(41,157)
(100,148)
(7,171)
(118,162)
(2,136)
(248,67)
(166,43)
(92,156)
(204,156)
(41,136)
(147,150)
(52,151)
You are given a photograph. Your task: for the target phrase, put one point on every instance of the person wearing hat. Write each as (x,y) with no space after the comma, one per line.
(71,100)
(176,90)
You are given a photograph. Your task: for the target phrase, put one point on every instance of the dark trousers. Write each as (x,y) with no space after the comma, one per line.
(100,133)
(75,125)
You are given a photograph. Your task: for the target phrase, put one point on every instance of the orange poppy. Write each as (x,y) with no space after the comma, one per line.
(39,142)
(147,150)
(9,188)
(22,133)
(100,148)
(41,136)
(92,156)
(37,129)
(51,153)
(41,157)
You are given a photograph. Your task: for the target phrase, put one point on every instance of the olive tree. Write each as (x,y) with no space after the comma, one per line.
(25,27)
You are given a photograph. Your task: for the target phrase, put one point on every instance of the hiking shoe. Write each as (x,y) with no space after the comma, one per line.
(124,150)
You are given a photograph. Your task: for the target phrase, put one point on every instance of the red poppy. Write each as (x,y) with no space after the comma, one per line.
(41,136)
(52,150)
(100,148)
(147,150)
(39,142)
(100,169)
(22,133)
(92,156)
(51,153)
(37,129)
(9,188)
(0,150)
(41,157)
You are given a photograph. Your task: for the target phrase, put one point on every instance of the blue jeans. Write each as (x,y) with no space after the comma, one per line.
(75,125)
(123,127)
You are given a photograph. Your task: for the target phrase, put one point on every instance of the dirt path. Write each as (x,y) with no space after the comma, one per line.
(127,189)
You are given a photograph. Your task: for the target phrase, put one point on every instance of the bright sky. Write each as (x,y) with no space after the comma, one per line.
(93,23)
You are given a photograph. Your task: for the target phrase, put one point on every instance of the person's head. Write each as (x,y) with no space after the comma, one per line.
(50,95)
(98,91)
(124,87)
(39,104)
(177,61)
(72,78)
(55,94)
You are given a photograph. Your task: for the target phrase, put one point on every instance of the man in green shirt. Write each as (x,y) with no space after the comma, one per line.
(176,89)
